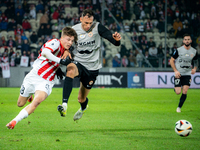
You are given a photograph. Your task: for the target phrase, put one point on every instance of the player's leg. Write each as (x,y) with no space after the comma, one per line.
(83,100)
(185,81)
(72,71)
(177,85)
(183,96)
(39,97)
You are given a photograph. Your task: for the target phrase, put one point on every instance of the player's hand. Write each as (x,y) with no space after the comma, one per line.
(65,54)
(193,71)
(59,73)
(117,36)
(177,74)
(65,61)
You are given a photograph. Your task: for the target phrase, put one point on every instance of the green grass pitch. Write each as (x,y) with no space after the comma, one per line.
(117,119)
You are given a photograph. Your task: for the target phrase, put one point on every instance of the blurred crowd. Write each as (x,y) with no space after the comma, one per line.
(28,25)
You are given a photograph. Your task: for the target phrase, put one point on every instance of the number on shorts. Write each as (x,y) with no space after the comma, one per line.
(22,89)
(177,81)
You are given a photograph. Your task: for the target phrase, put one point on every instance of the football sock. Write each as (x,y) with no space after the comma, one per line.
(84,104)
(182,100)
(67,89)
(22,115)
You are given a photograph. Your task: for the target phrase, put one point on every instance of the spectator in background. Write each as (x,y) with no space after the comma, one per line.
(151,43)
(48,30)
(55,15)
(81,6)
(143,41)
(137,11)
(148,26)
(139,58)
(153,51)
(39,7)
(32,13)
(97,15)
(174,48)
(135,38)
(44,19)
(116,62)
(133,26)
(3,17)
(41,31)
(127,27)
(9,12)
(161,25)
(26,25)
(61,8)
(124,61)
(177,26)
(61,19)
(75,19)
(25,47)
(12,25)
(132,60)
(3,41)
(68,20)
(34,37)
(160,51)
(11,57)
(141,27)
(11,42)
(18,18)
(18,40)
(17,59)
(55,27)
(20,10)
(25,6)
(3,25)
(18,30)
(153,14)
(24,37)
(60,27)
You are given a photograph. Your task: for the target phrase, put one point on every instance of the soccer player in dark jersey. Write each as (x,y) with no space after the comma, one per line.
(182,67)
(87,60)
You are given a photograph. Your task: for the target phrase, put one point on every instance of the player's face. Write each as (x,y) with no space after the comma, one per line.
(187,41)
(86,22)
(67,41)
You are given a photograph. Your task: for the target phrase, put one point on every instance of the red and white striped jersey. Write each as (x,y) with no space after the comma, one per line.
(44,67)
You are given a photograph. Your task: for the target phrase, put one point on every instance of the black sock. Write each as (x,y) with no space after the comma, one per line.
(182,100)
(84,104)
(67,89)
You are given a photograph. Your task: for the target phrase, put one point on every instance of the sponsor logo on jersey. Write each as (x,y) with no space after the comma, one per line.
(87,43)
(82,36)
(90,34)
(187,55)
(191,55)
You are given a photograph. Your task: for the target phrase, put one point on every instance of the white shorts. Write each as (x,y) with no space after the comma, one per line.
(33,82)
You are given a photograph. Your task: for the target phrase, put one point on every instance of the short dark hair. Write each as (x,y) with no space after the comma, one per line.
(88,12)
(70,32)
(186,34)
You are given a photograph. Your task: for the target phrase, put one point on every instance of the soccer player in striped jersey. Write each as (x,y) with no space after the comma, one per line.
(184,56)
(40,79)
(87,60)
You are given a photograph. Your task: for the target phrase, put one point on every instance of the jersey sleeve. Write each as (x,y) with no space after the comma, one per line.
(52,44)
(175,54)
(195,57)
(106,34)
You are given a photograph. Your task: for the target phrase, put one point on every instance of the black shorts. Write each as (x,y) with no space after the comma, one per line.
(183,80)
(87,77)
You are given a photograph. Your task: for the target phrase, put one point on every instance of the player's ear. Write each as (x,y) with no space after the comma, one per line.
(81,18)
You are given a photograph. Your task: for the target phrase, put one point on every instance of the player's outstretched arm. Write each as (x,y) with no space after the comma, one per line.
(106,34)
(47,54)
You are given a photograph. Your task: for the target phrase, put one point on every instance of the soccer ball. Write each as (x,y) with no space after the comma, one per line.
(183,128)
